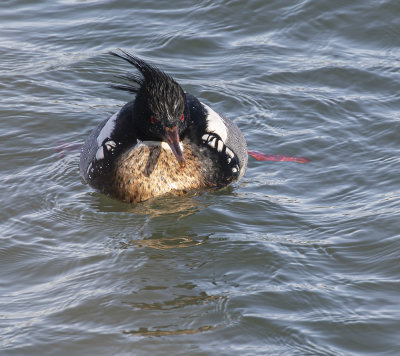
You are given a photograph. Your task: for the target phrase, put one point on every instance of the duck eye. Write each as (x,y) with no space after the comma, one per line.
(182,117)
(153,119)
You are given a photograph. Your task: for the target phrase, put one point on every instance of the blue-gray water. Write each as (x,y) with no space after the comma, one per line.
(295,259)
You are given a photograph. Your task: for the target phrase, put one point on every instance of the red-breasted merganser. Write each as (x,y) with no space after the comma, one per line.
(163,141)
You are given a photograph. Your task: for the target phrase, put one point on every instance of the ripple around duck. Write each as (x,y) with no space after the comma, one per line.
(292,259)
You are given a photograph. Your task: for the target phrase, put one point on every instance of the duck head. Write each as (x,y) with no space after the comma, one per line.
(160,105)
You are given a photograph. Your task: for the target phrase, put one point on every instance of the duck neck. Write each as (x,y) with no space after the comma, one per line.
(141,118)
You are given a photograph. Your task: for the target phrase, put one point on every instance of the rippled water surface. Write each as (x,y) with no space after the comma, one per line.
(294,259)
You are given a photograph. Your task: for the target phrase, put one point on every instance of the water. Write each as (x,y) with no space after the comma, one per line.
(294,259)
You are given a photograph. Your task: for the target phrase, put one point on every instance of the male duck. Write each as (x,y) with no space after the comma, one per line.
(164,140)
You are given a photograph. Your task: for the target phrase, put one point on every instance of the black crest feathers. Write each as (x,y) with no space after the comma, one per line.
(147,73)
(159,92)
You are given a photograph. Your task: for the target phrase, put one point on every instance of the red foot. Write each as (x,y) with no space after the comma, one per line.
(259,156)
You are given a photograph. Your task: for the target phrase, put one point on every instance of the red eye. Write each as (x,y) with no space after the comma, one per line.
(153,119)
(182,117)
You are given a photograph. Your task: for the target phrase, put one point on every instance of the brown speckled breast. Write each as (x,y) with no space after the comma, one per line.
(150,170)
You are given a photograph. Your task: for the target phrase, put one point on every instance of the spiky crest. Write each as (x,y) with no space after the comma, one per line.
(147,73)
(160,92)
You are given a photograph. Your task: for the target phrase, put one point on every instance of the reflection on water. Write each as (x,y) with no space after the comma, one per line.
(178,302)
(165,243)
(180,205)
(147,332)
